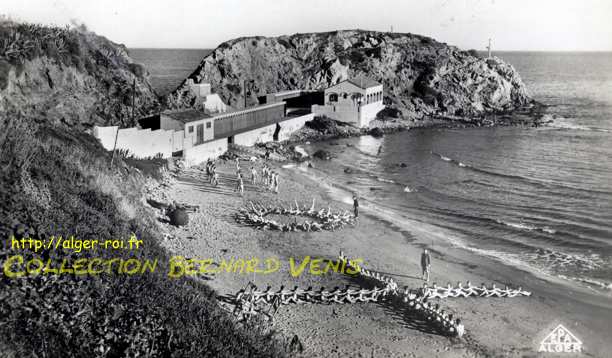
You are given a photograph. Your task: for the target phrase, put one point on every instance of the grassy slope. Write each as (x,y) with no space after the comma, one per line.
(56,180)
(59,182)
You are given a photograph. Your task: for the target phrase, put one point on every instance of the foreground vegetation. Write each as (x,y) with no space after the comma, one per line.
(57,182)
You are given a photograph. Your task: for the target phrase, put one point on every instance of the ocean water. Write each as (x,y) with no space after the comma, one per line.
(168,67)
(539,199)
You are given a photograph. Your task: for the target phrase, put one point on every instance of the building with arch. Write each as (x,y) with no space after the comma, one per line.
(355,101)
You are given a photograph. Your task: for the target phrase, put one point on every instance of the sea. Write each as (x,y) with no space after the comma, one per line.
(539,199)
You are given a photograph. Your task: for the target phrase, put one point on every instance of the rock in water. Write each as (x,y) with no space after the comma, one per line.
(322,154)
(421,77)
(376,132)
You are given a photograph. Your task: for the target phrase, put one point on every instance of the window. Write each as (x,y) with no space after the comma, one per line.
(208,125)
(190,129)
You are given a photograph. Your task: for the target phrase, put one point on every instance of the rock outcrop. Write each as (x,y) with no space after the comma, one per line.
(70,76)
(421,76)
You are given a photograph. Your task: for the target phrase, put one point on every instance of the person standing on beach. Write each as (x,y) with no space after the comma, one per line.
(264,173)
(239,183)
(213,173)
(276,183)
(425,264)
(253,175)
(215,177)
(271,181)
(356,205)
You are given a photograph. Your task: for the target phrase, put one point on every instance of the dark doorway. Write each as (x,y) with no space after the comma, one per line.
(276,132)
(230,139)
(200,134)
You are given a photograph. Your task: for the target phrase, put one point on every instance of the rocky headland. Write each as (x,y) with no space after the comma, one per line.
(422,77)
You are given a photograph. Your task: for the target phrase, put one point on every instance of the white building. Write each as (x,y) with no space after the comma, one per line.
(209,101)
(195,127)
(355,101)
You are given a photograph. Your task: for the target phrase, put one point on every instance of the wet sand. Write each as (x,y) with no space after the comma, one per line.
(494,326)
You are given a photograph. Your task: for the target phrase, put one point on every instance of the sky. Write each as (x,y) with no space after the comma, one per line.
(513,25)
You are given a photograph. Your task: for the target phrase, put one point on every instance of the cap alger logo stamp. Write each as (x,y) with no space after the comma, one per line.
(560,340)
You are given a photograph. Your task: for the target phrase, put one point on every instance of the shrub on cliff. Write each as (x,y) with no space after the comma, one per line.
(137,69)
(473,53)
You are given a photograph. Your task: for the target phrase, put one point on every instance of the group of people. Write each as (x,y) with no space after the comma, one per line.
(309,295)
(433,314)
(325,219)
(270,178)
(211,172)
(417,303)
(385,280)
(470,290)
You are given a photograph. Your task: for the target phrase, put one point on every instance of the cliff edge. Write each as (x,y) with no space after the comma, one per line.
(70,76)
(421,76)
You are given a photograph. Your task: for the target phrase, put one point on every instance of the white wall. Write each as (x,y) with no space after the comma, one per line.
(368,113)
(293,125)
(266,134)
(178,140)
(259,135)
(214,103)
(358,116)
(346,114)
(200,89)
(200,153)
(209,133)
(142,143)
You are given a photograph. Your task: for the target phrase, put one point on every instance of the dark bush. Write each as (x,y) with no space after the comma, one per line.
(389,112)
(5,68)
(357,56)
(473,53)
(178,217)
(138,69)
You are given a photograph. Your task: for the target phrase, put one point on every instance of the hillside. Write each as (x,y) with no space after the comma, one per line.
(58,180)
(70,76)
(420,75)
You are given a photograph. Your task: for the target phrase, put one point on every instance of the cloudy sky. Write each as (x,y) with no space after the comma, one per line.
(544,25)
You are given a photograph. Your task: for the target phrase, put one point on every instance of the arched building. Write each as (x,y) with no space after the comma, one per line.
(355,101)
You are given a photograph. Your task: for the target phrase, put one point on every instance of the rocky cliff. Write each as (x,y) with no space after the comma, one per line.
(421,76)
(70,76)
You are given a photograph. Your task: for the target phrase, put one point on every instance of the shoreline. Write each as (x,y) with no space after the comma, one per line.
(528,116)
(375,329)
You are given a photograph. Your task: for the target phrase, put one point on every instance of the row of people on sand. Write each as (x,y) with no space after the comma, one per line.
(309,295)
(433,314)
(470,290)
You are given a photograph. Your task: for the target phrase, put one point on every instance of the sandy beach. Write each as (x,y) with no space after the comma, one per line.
(509,327)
